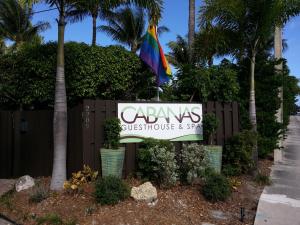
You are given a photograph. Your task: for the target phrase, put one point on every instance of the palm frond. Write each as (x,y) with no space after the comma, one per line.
(15,22)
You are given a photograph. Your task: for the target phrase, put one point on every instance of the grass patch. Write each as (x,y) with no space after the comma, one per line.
(262,179)
(51,219)
(6,199)
(54,219)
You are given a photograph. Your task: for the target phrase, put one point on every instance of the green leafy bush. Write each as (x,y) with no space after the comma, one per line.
(194,162)
(266,145)
(112,129)
(238,152)
(111,190)
(216,187)
(157,162)
(91,72)
(230,171)
(216,83)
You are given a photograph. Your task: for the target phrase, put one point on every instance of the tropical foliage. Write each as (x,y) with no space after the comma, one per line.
(109,73)
(16,26)
(102,9)
(127,26)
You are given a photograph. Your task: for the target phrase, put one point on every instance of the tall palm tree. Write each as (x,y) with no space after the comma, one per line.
(191,27)
(127,26)
(88,8)
(278,68)
(288,9)
(95,8)
(253,22)
(59,171)
(15,23)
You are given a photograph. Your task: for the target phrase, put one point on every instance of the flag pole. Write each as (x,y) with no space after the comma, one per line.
(157,76)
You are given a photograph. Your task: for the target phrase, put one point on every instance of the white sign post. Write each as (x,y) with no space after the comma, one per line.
(166,121)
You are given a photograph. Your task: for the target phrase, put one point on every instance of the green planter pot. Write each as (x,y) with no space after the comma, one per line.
(214,153)
(112,161)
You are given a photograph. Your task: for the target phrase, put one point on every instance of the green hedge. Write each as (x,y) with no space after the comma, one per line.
(28,76)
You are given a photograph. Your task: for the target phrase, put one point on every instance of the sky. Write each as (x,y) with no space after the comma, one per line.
(175,17)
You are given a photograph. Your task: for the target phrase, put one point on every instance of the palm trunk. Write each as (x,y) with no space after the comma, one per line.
(60,113)
(278,55)
(191,34)
(94,30)
(210,61)
(252,109)
(134,47)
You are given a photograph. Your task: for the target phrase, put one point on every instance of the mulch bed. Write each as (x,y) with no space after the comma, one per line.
(179,205)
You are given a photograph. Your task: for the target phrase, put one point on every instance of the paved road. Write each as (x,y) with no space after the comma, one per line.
(279,203)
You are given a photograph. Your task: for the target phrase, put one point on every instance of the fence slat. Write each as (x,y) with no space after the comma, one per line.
(6,144)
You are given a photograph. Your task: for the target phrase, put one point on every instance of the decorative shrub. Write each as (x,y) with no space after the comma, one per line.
(110,190)
(262,179)
(84,176)
(112,129)
(210,125)
(216,187)
(230,171)
(164,167)
(145,162)
(157,162)
(40,192)
(238,152)
(194,162)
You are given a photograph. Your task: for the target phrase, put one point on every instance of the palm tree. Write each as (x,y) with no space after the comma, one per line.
(95,8)
(88,8)
(15,23)
(213,41)
(127,26)
(59,173)
(191,31)
(179,54)
(288,9)
(252,22)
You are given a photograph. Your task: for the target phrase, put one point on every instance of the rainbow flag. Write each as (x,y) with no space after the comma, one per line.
(153,55)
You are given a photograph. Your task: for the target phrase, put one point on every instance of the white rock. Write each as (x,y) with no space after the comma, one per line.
(24,183)
(153,203)
(145,192)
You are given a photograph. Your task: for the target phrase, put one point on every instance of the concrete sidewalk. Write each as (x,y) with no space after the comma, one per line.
(279,203)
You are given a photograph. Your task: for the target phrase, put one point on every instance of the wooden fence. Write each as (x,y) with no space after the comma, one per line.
(26,141)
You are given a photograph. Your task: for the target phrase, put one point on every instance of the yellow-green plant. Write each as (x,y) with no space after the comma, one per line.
(81,177)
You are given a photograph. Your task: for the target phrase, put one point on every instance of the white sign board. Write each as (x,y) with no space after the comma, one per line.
(166,121)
